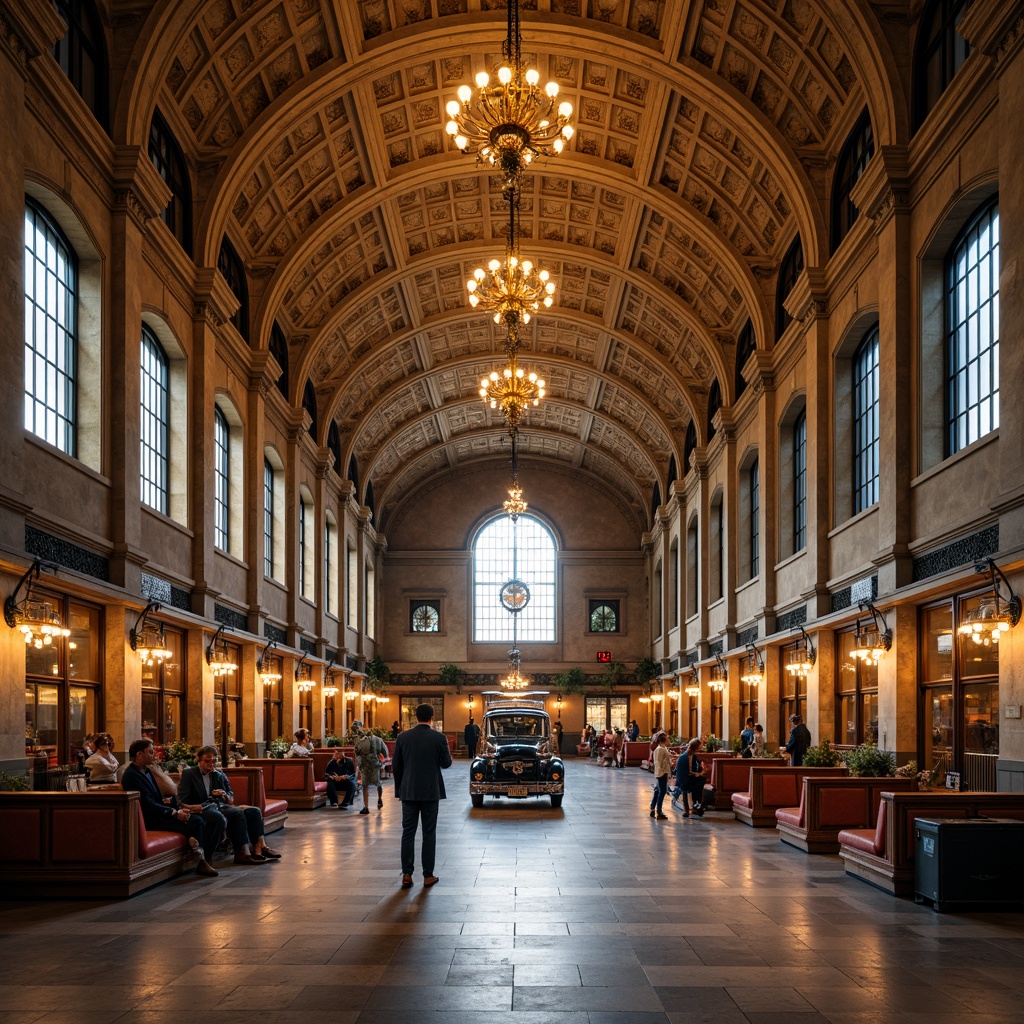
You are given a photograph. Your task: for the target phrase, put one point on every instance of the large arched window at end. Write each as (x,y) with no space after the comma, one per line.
(789,270)
(714,404)
(309,404)
(334,446)
(230,266)
(51,331)
(939,53)
(972,331)
(865,422)
(82,55)
(494,566)
(169,161)
(854,157)
(746,344)
(689,445)
(279,350)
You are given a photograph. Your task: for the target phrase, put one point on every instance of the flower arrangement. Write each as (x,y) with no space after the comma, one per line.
(711,743)
(180,753)
(278,747)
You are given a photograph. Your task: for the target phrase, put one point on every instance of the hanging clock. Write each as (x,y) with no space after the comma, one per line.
(515,595)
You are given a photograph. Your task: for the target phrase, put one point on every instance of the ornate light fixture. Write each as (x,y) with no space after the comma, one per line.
(873,639)
(693,686)
(217,656)
(802,657)
(509,121)
(512,390)
(514,505)
(330,690)
(146,637)
(719,675)
(268,677)
(753,671)
(303,677)
(35,617)
(995,614)
(514,680)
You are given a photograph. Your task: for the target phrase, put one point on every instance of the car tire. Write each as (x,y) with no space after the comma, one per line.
(556,801)
(478,799)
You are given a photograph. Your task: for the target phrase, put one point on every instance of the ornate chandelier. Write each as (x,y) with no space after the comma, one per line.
(512,390)
(511,289)
(514,680)
(510,120)
(515,505)
(36,618)
(995,613)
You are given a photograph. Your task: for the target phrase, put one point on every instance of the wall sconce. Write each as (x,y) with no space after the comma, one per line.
(217,655)
(146,637)
(872,640)
(268,677)
(753,672)
(801,658)
(381,699)
(657,698)
(995,614)
(35,617)
(559,704)
(675,694)
(645,699)
(693,686)
(330,690)
(719,675)
(303,678)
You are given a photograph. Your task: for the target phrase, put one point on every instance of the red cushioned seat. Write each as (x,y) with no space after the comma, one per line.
(790,815)
(742,800)
(320,787)
(152,843)
(862,839)
(275,807)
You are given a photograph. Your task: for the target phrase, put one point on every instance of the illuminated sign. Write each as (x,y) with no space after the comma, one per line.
(604,655)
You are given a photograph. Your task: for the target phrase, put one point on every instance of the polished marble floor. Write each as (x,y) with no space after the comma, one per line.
(593,914)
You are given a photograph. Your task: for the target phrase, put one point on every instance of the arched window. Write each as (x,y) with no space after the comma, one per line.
(169,161)
(279,350)
(789,270)
(938,54)
(154,431)
(692,566)
(353,473)
(221,480)
(51,330)
(749,519)
(331,564)
(716,547)
(309,404)
(307,545)
(853,159)
(865,422)
(714,404)
(534,565)
(82,55)
(655,500)
(746,344)
(800,482)
(369,497)
(673,473)
(689,445)
(972,331)
(273,516)
(334,446)
(230,266)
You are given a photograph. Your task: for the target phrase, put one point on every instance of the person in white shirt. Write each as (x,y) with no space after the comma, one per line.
(662,767)
(102,764)
(303,745)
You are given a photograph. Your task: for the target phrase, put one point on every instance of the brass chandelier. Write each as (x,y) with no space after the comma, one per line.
(510,120)
(515,505)
(513,390)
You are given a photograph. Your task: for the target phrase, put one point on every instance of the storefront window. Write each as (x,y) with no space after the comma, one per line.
(59,713)
(163,693)
(793,692)
(608,712)
(407,710)
(856,695)
(273,708)
(227,703)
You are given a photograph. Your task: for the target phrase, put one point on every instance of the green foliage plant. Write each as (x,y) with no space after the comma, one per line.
(823,756)
(278,747)
(378,675)
(867,761)
(451,676)
(646,669)
(712,743)
(572,680)
(613,674)
(13,783)
(180,752)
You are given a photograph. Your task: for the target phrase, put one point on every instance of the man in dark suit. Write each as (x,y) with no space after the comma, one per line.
(165,817)
(472,737)
(799,740)
(205,791)
(420,754)
(340,774)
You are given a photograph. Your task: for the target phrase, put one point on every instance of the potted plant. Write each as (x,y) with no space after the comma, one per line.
(613,674)
(278,747)
(646,669)
(867,761)
(712,743)
(13,783)
(822,756)
(331,740)
(178,755)
(452,676)
(378,675)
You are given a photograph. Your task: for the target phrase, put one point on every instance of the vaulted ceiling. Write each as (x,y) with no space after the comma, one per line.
(706,131)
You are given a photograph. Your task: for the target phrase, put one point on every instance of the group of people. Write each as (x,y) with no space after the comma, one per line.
(340,773)
(690,777)
(98,759)
(200,807)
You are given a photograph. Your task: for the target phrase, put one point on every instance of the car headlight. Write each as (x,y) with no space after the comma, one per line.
(478,776)
(556,775)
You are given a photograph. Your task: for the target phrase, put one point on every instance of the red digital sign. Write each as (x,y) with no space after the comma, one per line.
(604,655)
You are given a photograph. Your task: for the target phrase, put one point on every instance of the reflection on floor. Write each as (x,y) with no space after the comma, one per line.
(594,914)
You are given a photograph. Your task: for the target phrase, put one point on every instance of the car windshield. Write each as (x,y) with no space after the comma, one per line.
(507,727)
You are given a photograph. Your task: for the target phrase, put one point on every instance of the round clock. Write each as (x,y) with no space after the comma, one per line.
(515,596)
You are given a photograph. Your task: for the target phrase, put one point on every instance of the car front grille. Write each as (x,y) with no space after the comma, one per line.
(516,769)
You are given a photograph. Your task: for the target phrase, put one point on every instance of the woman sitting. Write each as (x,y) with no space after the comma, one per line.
(102,765)
(303,745)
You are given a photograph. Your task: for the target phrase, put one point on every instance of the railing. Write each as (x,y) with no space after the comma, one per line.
(980,772)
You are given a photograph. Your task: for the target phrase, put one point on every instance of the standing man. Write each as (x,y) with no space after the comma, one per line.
(167,817)
(472,737)
(369,748)
(747,738)
(799,741)
(206,791)
(420,754)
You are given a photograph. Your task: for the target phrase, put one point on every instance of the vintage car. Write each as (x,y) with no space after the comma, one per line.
(517,759)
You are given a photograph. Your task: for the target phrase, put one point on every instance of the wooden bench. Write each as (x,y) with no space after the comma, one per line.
(827,806)
(91,845)
(248,787)
(634,752)
(772,787)
(884,855)
(732,775)
(291,779)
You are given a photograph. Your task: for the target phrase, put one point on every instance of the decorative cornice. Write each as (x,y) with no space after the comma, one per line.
(996,28)
(138,188)
(884,187)
(214,301)
(28,30)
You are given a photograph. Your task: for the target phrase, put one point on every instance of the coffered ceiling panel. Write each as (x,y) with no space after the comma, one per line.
(705,134)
